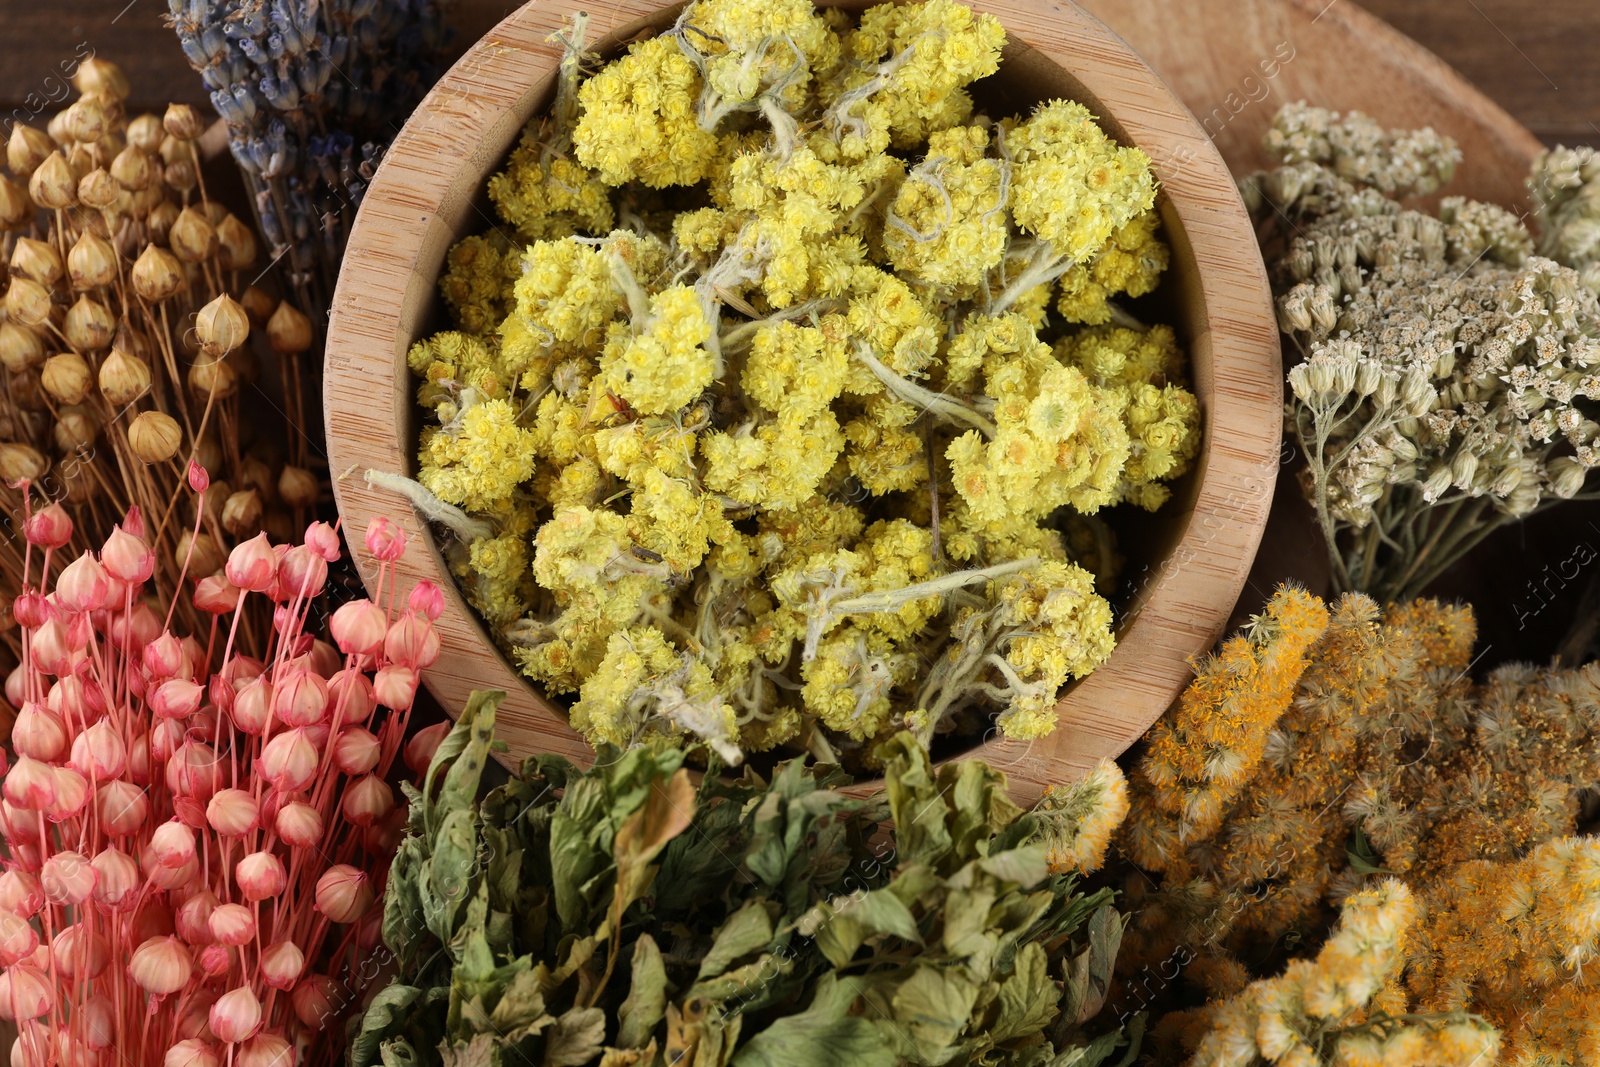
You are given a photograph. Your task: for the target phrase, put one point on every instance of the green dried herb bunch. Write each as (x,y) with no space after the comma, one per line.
(1448,374)
(625,916)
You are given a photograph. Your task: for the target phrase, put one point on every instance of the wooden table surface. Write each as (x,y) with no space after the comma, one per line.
(1535,60)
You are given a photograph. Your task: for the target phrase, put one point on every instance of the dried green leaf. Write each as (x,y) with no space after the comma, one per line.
(824,1035)
(522,1004)
(481,1051)
(1028,998)
(745,931)
(576,1038)
(666,813)
(641,1013)
(931,1008)
(385,1012)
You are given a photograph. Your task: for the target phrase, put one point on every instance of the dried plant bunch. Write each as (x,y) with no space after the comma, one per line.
(760,430)
(1449,375)
(197,823)
(624,915)
(1385,760)
(126,340)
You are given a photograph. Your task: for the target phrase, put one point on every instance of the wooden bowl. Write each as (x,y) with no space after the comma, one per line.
(428,194)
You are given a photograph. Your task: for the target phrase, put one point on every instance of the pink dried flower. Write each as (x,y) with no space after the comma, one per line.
(301,699)
(199,479)
(343,893)
(98,752)
(233,924)
(83,585)
(50,527)
(289,761)
(358,627)
(236,1015)
(395,686)
(355,751)
(260,875)
(385,540)
(232,813)
(324,541)
(427,600)
(215,595)
(265,1050)
(366,800)
(25,993)
(127,558)
(282,964)
(412,642)
(38,733)
(191,1052)
(161,966)
(420,749)
(252,566)
(299,824)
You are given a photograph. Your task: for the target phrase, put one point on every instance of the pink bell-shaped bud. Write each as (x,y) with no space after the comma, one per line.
(420,749)
(31,610)
(30,784)
(25,993)
(358,627)
(233,924)
(252,707)
(325,660)
(38,733)
(385,540)
(265,1050)
(72,794)
(317,1002)
(194,771)
(301,699)
(20,893)
(191,1052)
(302,573)
(281,964)
(343,893)
(173,844)
(161,966)
(260,875)
(18,939)
(252,565)
(176,698)
(118,880)
(356,750)
(412,642)
(395,686)
(216,595)
(324,541)
(427,600)
(289,761)
(193,917)
(232,813)
(121,806)
(199,479)
(79,953)
(99,753)
(67,878)
(165,658)
(49,527)
(127,558)
(350,695)
(366,800)
(299,824)
(83,585)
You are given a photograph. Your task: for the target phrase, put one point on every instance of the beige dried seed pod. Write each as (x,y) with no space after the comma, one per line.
(146,133)
(133,342)
(124,378)
(157,274)
(255,474)
(298,487)
(211,376)
(57,129)
(53,185)
(99,190)
(236,244)
(132,168)
(27,302)
(160,220)
(37,260)
(20,347)
(102,77)
(288,331)
(90,325)
(91,262)
(241,514)
(19,461)
(205,559)
(181,175)
(259,305)
(214,212)
(183,122)
(81,159)
(86,121)
(66,377)
(154,436)
(16,209)
(26,149)
(174,150)
(148,199)
(192,239)
(222,325)
(75,427)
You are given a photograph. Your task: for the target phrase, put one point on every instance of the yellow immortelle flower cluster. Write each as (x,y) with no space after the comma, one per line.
(759,430)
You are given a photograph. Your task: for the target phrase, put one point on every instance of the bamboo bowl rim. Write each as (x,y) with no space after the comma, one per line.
(427,194)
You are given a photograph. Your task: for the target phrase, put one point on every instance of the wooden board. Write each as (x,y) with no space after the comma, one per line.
(423,199)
